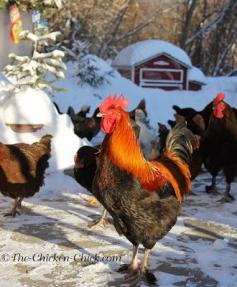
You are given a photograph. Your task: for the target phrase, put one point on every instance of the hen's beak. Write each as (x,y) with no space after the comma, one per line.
(100,115)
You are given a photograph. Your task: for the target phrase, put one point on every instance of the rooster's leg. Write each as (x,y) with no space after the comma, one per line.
(14,208)
(147,275)
(101,221)
(212,188)
(133,267)
(143,273)
(227,196)
(19,202)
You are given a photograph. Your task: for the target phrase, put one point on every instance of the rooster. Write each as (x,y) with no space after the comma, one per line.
(219,144)
(143,197)
(22,168)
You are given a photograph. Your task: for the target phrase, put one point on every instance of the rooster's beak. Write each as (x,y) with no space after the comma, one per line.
(100,115)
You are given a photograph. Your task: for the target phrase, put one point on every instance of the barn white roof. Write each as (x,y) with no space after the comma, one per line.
(144,50)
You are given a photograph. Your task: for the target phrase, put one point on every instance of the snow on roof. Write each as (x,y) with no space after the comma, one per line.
(144,50)
(196,75)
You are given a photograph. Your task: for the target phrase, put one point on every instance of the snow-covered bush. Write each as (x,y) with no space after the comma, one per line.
(33,71)
(88,70)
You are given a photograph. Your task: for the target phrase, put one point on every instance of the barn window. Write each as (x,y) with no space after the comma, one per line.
(161,77)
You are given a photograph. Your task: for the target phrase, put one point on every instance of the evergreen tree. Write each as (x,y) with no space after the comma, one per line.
(87,68)
(34,71)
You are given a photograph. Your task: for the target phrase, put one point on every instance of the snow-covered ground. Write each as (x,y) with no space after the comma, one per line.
(200,250)
(50,244)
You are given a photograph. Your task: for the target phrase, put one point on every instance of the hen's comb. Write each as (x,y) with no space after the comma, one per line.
(114,101)
(219,98)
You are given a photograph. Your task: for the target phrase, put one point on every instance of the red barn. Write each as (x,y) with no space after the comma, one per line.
(156,64)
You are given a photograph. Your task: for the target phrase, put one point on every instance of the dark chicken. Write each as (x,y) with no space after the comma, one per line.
(219,144)
(88,127)
(84,172)
(197,121)
(85,166)
(163,132)
(80,116)
(143,197)
(22,169)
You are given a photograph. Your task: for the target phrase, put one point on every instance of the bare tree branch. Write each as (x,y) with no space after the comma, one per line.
(187,23)
(212,25)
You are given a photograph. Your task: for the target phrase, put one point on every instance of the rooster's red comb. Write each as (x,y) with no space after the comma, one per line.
(114,101)
(219,98)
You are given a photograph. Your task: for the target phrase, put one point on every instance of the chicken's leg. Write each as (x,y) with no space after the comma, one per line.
(142,273)
(101,221)
(19,203)
(227,196)
(212,188)
(16,204)
(133,267)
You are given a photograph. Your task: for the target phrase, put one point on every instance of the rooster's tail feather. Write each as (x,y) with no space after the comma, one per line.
(180,141)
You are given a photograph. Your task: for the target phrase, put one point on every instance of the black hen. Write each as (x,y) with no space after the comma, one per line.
(219,144)
(88,127)
(85,165)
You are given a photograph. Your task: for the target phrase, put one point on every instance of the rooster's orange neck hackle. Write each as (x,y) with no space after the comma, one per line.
(124,151)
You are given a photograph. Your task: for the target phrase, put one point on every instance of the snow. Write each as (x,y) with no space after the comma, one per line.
(144,50)
(196,75)
(25,107)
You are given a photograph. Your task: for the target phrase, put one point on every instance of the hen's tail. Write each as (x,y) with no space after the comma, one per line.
(46,141)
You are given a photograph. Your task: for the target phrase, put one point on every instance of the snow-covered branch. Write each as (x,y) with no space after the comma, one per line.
(34,71)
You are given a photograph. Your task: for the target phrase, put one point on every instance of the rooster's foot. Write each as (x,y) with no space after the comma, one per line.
(211,189)
(124,268)
(98,223)
(101,221)
(138,275)
(12,213)
(227,198)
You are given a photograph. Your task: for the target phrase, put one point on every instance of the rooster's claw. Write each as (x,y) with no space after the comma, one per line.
(13,214)
(227,198)
(211,190)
